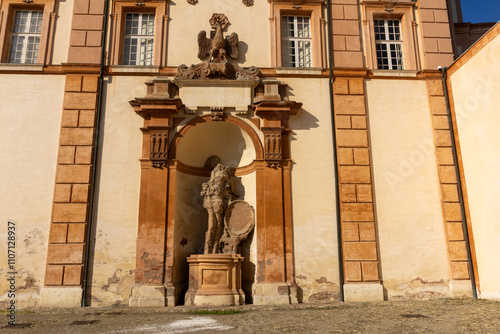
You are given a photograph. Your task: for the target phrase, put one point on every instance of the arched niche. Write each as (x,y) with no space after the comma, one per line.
(226,140)
(193,145)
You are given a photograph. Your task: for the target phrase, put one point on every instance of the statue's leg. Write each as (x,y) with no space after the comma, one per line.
(208,244)
(217,239)
(210,235)
(219,225)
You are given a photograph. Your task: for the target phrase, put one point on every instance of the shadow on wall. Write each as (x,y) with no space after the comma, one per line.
(247,269)
(304,120)
(243,51)
(89,297)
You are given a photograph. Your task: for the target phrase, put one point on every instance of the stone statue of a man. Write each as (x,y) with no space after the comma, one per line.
(216,193)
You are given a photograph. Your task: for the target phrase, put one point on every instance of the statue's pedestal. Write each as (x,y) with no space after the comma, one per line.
(215,280)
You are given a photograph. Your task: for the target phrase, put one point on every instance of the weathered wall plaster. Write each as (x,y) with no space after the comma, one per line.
(115,231)
(313,189)
(30,123)
(407,195)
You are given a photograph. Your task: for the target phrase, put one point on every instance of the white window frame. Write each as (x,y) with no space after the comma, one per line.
(397,43)
(143,57)
(286,55)
(26,34)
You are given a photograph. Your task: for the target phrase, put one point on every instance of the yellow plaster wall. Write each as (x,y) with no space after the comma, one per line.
(412,242)
(114,252)
(313,189)
(476,97)
(30,122)
(62,32)
(250,23)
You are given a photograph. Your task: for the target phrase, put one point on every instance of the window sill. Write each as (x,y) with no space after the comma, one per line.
(134,69)
(21,67)
(395,73)
(299,70)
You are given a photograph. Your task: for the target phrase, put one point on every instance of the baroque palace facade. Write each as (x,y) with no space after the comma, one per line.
(371,171)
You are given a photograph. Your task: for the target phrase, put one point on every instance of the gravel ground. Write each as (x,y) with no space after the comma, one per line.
(434,316)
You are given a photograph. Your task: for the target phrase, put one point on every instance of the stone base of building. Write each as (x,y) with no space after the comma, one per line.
(150,296)
(61,297)
(214,280)
(274,294)
(461,289)
(363,292)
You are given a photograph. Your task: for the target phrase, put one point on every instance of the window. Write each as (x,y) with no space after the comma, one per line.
(296,41)
(139,34)
(297,35)
(389,46)
(27,32)
(25,36)
(138,39)
(390,35)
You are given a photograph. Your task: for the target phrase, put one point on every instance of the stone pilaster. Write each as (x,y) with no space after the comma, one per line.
(67,239)
(275,283)
(359,236)
(153,273)
(452,215)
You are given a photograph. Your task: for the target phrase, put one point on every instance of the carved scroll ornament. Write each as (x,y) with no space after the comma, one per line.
(247,3)
(207,70)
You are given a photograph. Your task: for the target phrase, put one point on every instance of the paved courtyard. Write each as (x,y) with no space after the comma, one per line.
(435,316)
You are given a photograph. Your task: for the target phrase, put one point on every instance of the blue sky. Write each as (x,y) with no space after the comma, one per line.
(476,11)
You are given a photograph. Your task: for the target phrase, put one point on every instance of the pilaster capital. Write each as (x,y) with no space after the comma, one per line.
(161,101)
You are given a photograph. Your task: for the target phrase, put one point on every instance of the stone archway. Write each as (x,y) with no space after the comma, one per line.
(237,145)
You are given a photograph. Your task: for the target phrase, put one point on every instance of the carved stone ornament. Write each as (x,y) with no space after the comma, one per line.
(219,18)
(218,49)
(273,145)
(218,46)
(158,148)
(273,164)
(217,114)
(207,70)
(247,3)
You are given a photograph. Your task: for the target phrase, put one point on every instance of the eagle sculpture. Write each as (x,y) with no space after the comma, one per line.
(217,47)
